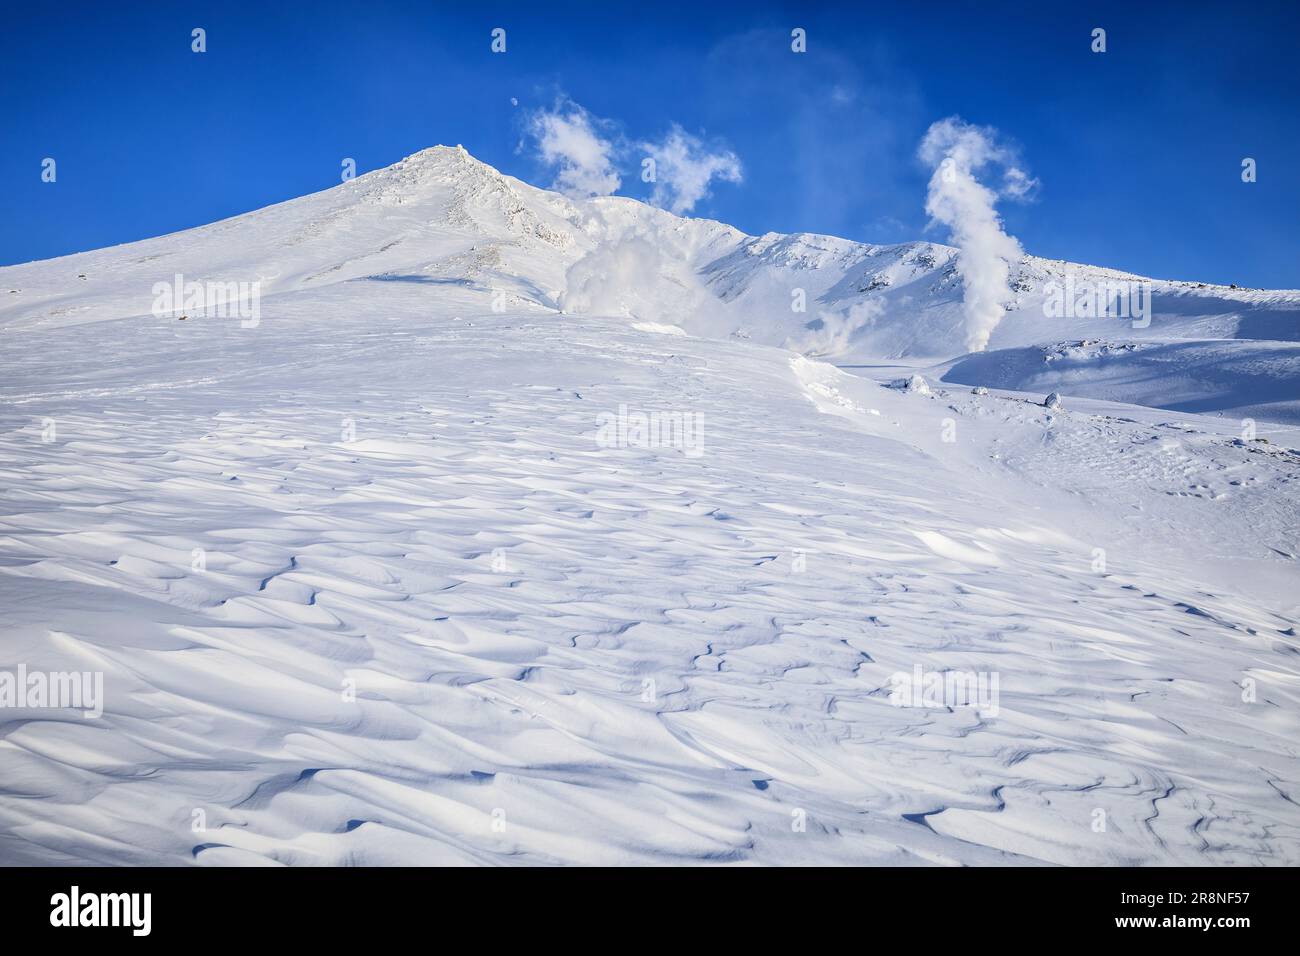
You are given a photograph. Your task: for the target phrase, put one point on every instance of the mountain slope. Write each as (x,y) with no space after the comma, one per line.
(440,216)
(438,564)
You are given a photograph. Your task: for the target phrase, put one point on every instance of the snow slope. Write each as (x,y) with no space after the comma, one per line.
(1242,379)
(438,620)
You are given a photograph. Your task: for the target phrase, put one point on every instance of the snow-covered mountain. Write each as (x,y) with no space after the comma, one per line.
(442,217)
(517,529)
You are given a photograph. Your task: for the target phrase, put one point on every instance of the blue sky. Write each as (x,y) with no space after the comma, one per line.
(1138,150)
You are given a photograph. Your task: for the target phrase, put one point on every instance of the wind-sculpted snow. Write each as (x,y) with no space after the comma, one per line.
(567,650)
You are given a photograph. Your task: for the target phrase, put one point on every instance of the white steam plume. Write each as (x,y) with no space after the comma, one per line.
(568,138)
(831,333)
(684,169)
(957,151)
(635,272)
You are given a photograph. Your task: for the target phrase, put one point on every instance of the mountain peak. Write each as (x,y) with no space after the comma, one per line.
(441,151)
(443,158)
(430,172)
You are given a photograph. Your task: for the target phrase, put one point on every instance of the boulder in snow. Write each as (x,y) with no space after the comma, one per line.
(913,383)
